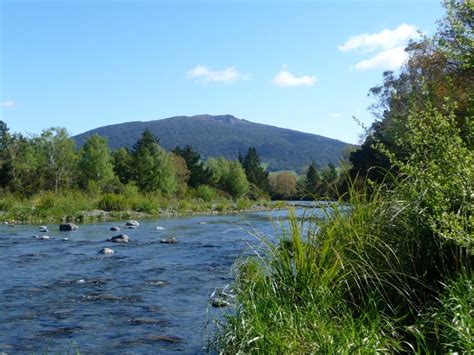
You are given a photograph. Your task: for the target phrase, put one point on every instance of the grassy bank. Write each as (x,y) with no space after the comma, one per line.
(371,279)
(83,207)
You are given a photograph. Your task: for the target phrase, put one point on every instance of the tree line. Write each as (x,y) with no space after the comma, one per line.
(51,162)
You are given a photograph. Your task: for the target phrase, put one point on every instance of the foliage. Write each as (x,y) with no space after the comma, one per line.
(199,174)
(229,176)
(390,267)
(95,163)
(113,202)
(206,193)
(298,296)
(312,180)
(122,160)
(454,319)
(57,158)
(253,169)
(438,67)
(283,185)
(152,166)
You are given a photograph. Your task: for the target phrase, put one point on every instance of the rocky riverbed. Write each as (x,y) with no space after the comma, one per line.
(158,292)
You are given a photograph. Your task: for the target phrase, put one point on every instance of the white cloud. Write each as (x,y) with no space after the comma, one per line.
(7,104)
(286,79)
(385,39)
(204,74)
(389,59)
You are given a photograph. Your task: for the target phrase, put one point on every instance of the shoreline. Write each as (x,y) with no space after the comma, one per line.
(96,215)
(93,216)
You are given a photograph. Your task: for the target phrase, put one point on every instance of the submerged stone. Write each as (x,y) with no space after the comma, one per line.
(132,222)
(121,238)
(165,338)
(67,227)
(219,302)
(171,240)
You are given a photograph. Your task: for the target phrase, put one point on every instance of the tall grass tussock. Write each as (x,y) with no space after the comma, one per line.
(354,281)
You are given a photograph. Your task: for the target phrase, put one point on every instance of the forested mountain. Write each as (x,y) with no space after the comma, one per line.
(227,136)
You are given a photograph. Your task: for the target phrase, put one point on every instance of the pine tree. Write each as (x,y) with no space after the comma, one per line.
(256,174)
(5,158)
(312,180)
(198,173)
(153,169)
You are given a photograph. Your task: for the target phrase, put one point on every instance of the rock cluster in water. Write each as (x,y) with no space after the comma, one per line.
(121,238)
(67,227)
(170,240)
(132,223)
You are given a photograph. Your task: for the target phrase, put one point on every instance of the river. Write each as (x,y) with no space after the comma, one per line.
(147,297)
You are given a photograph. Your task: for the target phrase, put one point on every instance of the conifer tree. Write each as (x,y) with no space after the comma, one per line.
(312,180)
(256,174)
(153,169)
(199,174)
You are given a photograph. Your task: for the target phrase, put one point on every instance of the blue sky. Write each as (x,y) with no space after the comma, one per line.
(304,65)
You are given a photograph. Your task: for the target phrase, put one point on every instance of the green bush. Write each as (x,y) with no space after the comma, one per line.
(112,202)
(8,202)
(243,204)
(145,204)
(206,193)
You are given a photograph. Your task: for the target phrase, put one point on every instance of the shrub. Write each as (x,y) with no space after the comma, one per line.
(113,202)
(206,193)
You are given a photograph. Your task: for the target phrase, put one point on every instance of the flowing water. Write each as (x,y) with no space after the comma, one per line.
(147,297)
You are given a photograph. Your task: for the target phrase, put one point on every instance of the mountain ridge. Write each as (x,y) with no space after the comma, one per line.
(227,135)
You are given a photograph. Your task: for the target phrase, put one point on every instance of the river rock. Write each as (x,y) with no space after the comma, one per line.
(44,237)
(67,227)
(43,230)
(64,239)
(112,298)
(132,227)
(219,302)
(171,240)
(114,229)
(202,222)
(132,222)
(144,320)
(159,228)
(165,338)
(106,251)
(121,238)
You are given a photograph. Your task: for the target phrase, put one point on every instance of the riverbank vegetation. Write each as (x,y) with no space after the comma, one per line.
(392,272)
(46,177)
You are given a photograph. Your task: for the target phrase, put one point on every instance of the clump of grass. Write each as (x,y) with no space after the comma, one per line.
(354,281)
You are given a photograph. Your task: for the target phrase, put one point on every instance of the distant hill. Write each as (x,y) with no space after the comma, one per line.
(226,135)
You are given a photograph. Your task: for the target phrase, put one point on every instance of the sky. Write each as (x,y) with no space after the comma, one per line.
(303,65)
